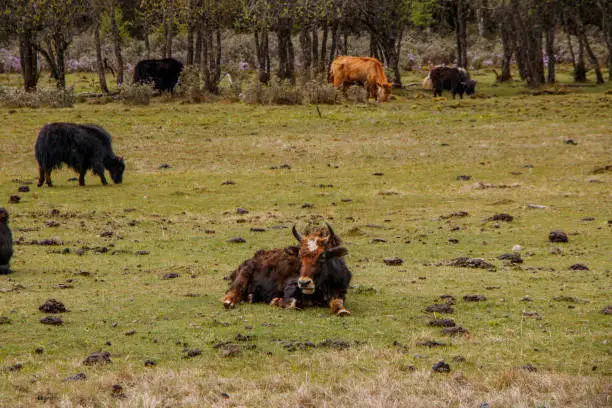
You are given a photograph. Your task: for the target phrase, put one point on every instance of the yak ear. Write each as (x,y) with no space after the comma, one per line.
(336,252)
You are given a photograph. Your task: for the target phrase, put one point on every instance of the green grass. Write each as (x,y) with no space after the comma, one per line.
(421,145)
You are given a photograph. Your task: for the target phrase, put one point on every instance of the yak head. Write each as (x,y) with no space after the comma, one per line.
(469,86)
(4,216)
(116,167)
(383,91)
(316,250)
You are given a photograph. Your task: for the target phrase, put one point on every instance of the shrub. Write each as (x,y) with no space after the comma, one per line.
(136,94)
(46,97)
(190,85)
(321,93)
(357,94)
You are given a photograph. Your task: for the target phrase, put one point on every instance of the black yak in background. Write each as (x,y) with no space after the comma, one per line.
(82,147)
(162,73)
(6,243)
(456,80)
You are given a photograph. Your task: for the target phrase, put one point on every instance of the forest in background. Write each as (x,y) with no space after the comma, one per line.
(291,39)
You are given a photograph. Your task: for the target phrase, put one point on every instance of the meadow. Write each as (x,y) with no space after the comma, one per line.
(418,178)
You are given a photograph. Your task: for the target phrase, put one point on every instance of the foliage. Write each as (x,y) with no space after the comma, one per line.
(53,98)
(136,93)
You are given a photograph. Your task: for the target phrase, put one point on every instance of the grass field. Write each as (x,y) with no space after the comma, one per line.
(386,178)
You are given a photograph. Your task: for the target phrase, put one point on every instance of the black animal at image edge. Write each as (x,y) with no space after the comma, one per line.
(162,73)
(82,147)
(6,243)
(456,80)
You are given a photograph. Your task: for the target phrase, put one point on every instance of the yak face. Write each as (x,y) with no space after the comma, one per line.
(469,86)
(383,91)
(116,167)
(316,250)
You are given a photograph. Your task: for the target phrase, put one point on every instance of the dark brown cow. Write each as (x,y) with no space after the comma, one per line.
(456,80)
(313,274)
(6,243)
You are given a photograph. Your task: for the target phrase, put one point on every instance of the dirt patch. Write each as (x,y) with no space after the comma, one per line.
(456,214)
(441,367)
(448,299)
(335,344)
(606,310)
(291,345)
(439,308)
(192,353)
(393,261)
(454,331)
(465,262)
(512,257)
(99,357)
(171,275)
(464,177)
(236,240)
(557,236)
(578,267)
(474,298)
(52,320)
(501,217)
(431,343)
(52,306)
(441,323)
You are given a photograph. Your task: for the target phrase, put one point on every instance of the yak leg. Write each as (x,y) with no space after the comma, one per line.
(234,294)
(41,176)
(99,170)
(337,307)
(82,177)
(48,177)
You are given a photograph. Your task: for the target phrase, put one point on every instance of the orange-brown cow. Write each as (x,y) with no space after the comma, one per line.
(367,71)
(313,273)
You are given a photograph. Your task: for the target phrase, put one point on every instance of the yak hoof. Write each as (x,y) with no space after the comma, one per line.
(343,312)
(228,304)
(276,302)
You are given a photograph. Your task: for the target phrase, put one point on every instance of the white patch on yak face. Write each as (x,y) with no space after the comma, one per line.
(312,245)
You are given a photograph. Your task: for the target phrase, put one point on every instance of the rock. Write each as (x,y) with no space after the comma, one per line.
(52,306)
(501,217)
(377,240)
(307,205)
(606,310)
(51,241)
(254,229)
(171,275)
(236,240)
(474,298)
(231,350)
(15,367)
(578,267)
(449,299)
(557,236)
(150,363)
(130,333)
(52,223)
(141,252)
(431,343)
(14,199)
(456,214)
(23,189)
(570,142)
(193,353)
(393,261)
(536,206)
(439,308)
(464,177)
(76,377)
(99,357)
(441,367)
(528,367)
(526,299)
(228,183)
(106,234)
(52,320)
(164,166)
(241,210)
(517,248)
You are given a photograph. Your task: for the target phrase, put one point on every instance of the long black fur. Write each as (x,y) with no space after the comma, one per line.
(6,243)
(81,147)
(455,80)
(162,73)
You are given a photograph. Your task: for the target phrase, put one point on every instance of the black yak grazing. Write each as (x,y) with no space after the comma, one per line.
(6,243)
(456,80)
(163,73)
(82,147)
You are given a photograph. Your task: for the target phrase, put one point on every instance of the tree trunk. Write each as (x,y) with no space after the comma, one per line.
(168,25)
(315,49)
(508,44)
(285,51)
(263,56)
(28,60)
(529,44)
(197,58)
(147,30)
(99,60)
(323,49)
(550,53)
(334,44)
(606,28)
(585,41)
(580,68)
(461,33)
(306,51)
(190,50)
(116,36)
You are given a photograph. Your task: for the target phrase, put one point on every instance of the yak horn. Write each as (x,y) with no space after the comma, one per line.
(331,231)
(296,234)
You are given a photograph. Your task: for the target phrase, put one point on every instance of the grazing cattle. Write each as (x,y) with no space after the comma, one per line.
(81,147)
(6,243)
(367,71)
(457,80)
(312,274)
(162,73)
